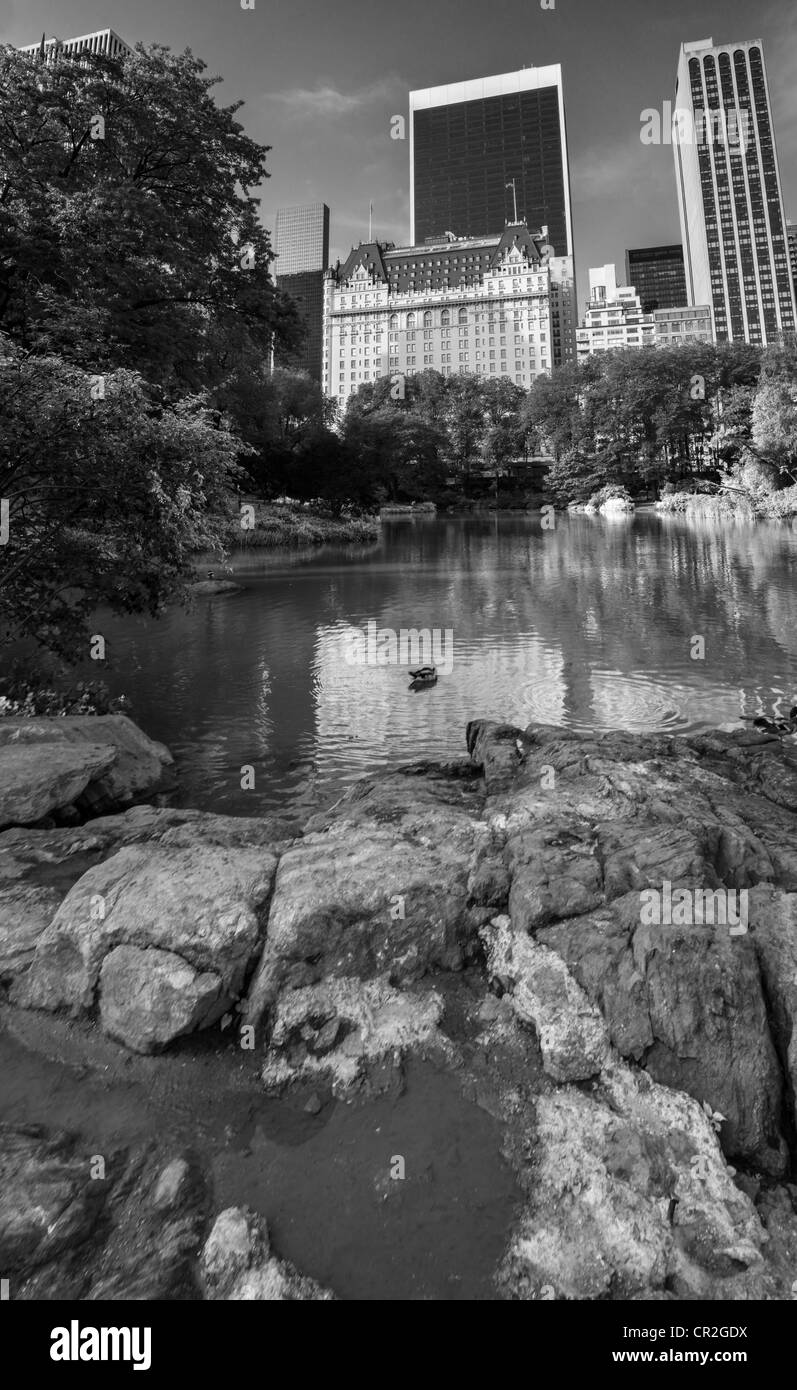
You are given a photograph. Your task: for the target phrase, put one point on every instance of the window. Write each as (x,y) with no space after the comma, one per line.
(427,319)
(394,321)
(462,316)
(445,318)
(410,320)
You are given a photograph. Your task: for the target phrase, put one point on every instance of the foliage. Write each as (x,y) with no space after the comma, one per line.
(107,498)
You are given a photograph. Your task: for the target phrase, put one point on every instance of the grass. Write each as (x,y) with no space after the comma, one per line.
(278,524)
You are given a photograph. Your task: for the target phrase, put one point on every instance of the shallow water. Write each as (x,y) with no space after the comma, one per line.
(323,1182)
(587,626)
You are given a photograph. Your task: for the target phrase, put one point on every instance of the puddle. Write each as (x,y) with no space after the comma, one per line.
(322,1181)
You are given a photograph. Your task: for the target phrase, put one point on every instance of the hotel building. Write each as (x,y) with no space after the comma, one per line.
(729,193)
(500,305)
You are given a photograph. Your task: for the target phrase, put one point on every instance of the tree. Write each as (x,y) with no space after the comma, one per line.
(107,495)
(128,235)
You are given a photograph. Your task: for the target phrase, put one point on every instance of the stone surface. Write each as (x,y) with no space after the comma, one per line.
(33,785)
(124,764)
(196,900)
(573,1036)
(147,998)
(630,1194)
(338,1029)
(237,1264)
(385,890)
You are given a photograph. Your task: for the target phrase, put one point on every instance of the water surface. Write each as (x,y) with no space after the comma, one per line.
(587,626)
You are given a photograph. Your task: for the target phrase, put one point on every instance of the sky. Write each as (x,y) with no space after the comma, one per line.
(321,82)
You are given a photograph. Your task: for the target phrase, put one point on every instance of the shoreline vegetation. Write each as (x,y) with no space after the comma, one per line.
(290,524)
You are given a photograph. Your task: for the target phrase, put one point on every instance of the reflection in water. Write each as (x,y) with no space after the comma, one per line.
(589,626)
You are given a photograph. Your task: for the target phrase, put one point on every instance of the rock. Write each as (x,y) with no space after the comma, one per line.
(629,1193)
(147,998)
(48,1202)
(25,912)
(237,1264)
(385,889)
(314,1105)
(35,781)
(688,1002)
(171,1185)
(374,1021)
(205,904)
(123,764)
(572,1034)
(773,926)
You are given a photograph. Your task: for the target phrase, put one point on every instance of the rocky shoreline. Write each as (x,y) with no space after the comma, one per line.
(482,917)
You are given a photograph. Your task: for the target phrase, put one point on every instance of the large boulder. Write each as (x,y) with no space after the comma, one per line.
(148,997)
(122,765)
(183,897)
(383,890)
(37,778)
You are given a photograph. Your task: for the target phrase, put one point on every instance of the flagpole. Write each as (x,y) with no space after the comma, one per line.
(370,221)
(514,197)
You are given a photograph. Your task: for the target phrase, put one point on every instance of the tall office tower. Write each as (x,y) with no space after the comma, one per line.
(729,192)
(301,241)
(791,233)
(657,274)
(103,41)
(470,140)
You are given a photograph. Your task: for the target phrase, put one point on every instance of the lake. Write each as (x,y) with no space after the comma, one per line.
(591,625)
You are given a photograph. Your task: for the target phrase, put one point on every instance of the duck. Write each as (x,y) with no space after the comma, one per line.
(425,675)
(778,727)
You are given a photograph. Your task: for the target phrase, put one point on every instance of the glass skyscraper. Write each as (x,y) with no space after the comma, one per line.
(729,192)
(301,241)
(477,147)
(657,274)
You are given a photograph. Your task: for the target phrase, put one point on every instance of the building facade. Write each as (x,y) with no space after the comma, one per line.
(479,147)
(791,235)
(492,306)
(301,243)
(680,325)
(657,274)
(616,318)
(103,41)
(729,193)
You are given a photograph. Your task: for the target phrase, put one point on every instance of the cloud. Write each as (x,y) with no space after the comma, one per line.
(329,102)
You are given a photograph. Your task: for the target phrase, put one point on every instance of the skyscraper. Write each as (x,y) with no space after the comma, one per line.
(301,241)
(657,274)
(791,233)
(729,192)
(477,147)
